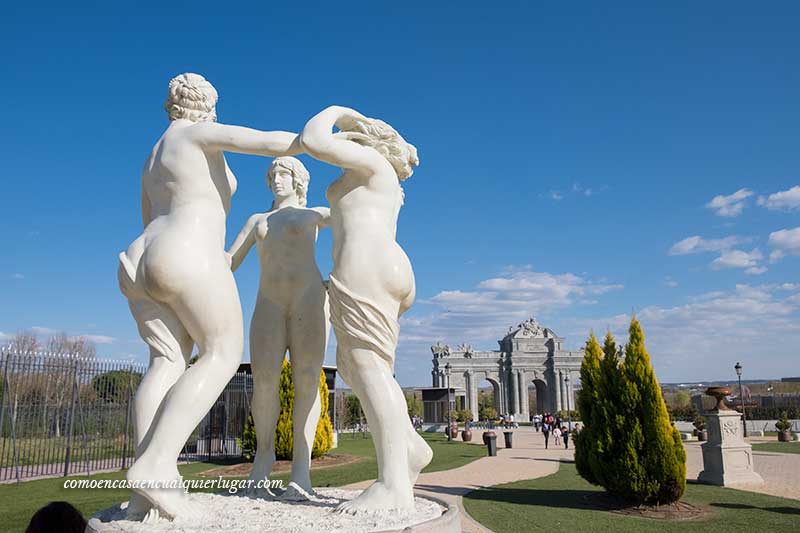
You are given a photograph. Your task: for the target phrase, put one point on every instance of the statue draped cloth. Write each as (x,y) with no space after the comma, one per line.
(356,317)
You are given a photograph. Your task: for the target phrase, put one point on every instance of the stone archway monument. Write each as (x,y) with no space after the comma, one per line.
(529,355)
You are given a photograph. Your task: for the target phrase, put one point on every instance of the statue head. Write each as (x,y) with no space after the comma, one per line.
(191,97)
(382,137)
(286,176)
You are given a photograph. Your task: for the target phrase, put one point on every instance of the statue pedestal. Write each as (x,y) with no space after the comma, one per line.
(727,458)
(226,513)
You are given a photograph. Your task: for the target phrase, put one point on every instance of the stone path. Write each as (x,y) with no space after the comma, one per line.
(526,460)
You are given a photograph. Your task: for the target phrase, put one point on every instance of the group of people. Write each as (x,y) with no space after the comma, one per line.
(548,424)
(507,421)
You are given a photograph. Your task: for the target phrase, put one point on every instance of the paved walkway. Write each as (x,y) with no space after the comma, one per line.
(526,460)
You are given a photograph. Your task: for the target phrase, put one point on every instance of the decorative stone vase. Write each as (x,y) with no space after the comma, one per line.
(466,435)
(486,435)
(785,436)
(454,431)
(719,393)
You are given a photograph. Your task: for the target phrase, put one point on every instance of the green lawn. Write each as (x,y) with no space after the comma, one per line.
(778,447)
(18,502)
(558,503)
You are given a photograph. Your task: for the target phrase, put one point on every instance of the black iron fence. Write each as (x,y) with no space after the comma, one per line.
(62,414)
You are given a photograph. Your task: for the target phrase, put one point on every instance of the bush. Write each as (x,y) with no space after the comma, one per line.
(628,444)
(284,434)
(699,423)
(783,424)
(487,413)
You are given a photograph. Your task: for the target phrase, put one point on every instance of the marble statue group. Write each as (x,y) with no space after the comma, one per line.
(178,279)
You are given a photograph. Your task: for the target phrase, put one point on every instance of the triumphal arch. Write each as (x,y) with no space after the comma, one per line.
(529,355)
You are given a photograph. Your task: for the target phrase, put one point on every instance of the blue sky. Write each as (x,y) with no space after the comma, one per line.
(566,152)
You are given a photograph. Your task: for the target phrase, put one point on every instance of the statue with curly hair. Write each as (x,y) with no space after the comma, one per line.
(371,285)
(291,314)
(180,288)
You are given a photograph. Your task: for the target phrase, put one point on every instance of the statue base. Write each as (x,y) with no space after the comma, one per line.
(224,512)
(727,458)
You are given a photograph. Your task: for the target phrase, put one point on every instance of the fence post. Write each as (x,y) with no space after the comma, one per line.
(4,385)
(71,417)
(127,418)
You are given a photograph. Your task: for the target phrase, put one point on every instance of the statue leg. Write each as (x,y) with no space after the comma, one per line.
(161,375)
(207,304)
(267,350)
(370,377)
(308,334)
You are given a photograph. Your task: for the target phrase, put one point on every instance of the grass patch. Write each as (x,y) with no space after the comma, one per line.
(777,447)
(563,502)
(18,502)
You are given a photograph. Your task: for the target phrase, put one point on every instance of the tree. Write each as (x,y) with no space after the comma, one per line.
(113,386)
(589,442)
(628,444)
(414,404)
(654,457)
(353,412)
(284,434)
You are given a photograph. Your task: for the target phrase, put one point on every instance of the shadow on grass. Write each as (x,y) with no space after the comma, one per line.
(565,499)
(780,510)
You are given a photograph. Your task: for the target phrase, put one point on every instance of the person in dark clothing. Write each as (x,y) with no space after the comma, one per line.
(565,436)
(546,433)
(57,516)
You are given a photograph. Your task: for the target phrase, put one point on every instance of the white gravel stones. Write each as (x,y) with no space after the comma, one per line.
(244,514)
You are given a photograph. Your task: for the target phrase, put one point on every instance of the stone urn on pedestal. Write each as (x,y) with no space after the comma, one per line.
(727,458)
(784,428)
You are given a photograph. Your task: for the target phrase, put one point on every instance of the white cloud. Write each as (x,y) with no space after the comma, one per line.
(703,338)
(787,200)
(730,205)
(576,187)
(756,270)
(784,242)
(99,339)
(696,244)
(555,195)
(40,330)
(480,314)
(738,259)
(669,282)
(17,275)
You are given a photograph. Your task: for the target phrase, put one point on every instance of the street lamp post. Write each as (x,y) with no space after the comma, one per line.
(569,412)
(449,421)
(738,368)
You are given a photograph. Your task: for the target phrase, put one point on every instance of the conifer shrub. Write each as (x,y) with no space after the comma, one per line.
(284,434)
(628,444)
(587,441)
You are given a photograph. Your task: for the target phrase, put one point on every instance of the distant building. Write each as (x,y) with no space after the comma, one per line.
(791,380)
(529,355)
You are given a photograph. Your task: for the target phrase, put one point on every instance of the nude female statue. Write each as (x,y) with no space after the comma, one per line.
(371,285)
(179,284)
(291,313)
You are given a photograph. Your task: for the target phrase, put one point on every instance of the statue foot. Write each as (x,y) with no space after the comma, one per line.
(296,493)
(138,508)
(166,494)
(379,497)
(419,456)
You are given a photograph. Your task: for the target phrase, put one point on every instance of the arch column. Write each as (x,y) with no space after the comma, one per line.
(472,394)
(523,396)
(558,387)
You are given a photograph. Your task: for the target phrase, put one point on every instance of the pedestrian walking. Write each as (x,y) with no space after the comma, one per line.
(557,436)
(565,434)
(546,433)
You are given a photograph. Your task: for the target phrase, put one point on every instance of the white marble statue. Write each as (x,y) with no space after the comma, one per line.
(371,285)
(179,284)
(291,313)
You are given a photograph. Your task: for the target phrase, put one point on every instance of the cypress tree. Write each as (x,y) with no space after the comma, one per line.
(283,430)
(323,438)
(651,454)
(586,442)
